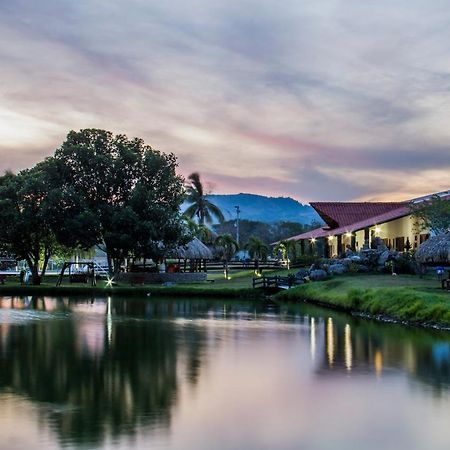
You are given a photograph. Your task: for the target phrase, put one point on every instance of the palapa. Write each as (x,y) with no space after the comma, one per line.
(435,250)
(194,249)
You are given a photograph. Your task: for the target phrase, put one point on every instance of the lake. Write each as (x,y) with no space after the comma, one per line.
(211,374)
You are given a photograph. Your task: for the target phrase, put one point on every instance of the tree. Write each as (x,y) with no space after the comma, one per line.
(229,247)
(201,232)
(25,229)
(116,193)
(286,249)
(257,250)
(200,206)
(433,215)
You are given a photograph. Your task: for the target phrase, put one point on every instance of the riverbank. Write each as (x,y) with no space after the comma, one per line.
(239,285)
(406,298)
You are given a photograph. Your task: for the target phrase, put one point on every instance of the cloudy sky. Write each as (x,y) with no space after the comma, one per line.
(315,99)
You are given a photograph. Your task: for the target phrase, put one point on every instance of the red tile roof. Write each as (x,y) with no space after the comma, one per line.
(402,211)
(338,214)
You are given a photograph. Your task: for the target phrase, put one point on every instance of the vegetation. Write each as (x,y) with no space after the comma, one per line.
(200,206)
(99,189)
(405,298)
(25,218)
(433,215)
(267,232)
(228,247)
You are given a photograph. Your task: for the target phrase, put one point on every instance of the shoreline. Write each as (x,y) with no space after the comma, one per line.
(371,297)
(400,305)
(133,291)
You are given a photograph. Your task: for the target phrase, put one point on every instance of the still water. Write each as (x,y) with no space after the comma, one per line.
(200,374)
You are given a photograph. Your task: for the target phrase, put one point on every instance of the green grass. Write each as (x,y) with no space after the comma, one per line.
(404,298)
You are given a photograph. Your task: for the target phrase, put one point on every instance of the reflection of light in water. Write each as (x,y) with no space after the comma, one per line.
(378,361)
(109,320)
(348,347)
(330,341)
(313,338)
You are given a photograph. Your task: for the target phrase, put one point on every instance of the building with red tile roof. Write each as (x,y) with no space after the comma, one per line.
(354,225)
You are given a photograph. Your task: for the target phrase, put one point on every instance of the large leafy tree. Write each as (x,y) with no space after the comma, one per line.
(116,193)
(25,229)
(200,206)
(433,214)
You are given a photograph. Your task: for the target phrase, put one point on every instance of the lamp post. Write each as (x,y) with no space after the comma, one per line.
(238,212)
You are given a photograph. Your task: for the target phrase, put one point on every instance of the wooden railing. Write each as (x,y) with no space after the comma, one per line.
(277,282)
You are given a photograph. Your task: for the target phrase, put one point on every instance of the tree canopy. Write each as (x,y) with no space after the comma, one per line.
(117,193)
(433,215)
(25,229)
(200,206)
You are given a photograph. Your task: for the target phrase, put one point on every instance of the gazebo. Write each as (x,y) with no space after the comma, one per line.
(196,252)
(435,251)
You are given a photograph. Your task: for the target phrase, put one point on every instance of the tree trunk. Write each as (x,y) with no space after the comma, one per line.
(45,263)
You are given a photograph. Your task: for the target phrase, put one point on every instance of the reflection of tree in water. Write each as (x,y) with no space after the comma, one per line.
(130,380)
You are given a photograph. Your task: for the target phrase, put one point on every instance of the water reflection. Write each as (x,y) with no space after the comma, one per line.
(102,369)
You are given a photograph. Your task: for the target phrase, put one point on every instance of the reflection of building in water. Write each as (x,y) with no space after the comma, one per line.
(330,341)
(348,347)
(347,351)
(361,347)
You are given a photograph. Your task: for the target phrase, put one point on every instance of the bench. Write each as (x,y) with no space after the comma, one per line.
(446,284)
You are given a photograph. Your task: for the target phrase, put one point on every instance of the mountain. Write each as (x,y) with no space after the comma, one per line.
(265,209)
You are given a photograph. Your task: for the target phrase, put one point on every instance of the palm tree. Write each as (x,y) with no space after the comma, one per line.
(200,206)
(257,250)
(229,246)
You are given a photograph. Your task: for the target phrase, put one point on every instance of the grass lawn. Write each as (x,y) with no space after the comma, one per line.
(405,297)
(239,285)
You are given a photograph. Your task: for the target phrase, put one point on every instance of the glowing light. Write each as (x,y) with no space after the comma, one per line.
(313,338)
(378,363)
(377,230)
(313,240)
(109,281)
(349,234)
(348,347)
(330,341)
(330,238)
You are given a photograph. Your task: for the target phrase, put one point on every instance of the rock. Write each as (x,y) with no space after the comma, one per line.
(355,258)
(318,275)
(383,258)
(338,269)
(362,268)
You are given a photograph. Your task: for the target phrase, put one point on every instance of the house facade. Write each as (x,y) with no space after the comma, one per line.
(355,225)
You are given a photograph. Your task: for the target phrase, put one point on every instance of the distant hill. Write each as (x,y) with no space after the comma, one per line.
(265,209)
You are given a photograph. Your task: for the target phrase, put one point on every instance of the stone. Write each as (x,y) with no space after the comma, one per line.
(338,269)
(383,258)
(318,275)
(362,268)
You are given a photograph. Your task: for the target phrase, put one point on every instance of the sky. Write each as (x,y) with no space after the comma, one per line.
(312,99)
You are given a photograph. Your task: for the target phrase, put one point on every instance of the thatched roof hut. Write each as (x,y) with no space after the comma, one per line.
(195,249)
(434,251)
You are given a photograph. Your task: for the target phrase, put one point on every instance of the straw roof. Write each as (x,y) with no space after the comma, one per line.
(195,249)
(435,250)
